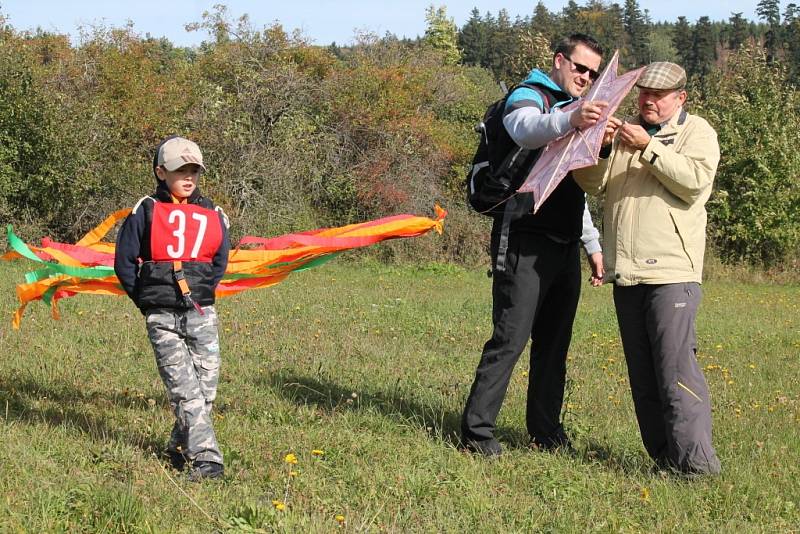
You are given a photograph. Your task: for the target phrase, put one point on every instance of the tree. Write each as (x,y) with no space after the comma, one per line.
(704,52)
(441,34)
(531,51)
(737,34)
(769,11)
(473,40)
(754,212)
(502,42)
(791,22)
(682,41)
(637,34)
(543,21)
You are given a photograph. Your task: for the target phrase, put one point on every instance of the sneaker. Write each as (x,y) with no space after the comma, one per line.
(176,460)
(489,448)
(202,470)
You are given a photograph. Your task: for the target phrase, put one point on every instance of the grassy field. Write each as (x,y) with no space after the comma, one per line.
(360,372)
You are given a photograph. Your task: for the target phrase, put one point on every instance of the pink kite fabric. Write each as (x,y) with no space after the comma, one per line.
(579,148)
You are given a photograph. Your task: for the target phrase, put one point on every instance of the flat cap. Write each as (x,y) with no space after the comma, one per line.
(662,75)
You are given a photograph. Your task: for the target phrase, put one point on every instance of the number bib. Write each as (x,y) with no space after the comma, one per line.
(184,232)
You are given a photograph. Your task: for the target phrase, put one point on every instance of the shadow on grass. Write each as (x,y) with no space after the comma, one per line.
(630,463)
(65,406)
(436,420)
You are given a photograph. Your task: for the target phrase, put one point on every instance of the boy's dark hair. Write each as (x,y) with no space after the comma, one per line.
(568,44)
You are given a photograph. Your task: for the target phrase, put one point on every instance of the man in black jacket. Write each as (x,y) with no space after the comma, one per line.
(536,257)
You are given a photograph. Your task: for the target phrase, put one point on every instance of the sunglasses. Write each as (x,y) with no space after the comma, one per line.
(583,69)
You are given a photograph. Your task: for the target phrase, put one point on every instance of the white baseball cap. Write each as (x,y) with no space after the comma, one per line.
(177,152)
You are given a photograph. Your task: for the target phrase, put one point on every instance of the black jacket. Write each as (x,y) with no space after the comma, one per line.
(562,215)
(152,284)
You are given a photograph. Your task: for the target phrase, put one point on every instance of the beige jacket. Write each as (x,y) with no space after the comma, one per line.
(654,221)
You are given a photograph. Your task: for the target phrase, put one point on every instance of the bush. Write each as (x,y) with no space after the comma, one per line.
(754,213)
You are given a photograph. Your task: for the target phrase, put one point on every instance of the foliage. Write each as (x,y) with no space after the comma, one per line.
(755,211)
(441,34)
(298,136)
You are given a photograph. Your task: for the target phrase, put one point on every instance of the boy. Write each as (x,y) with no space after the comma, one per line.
(171,253)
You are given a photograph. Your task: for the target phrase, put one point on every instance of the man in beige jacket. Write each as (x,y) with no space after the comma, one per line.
(656,173)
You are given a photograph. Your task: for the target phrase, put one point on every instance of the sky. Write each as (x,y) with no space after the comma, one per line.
(322,21)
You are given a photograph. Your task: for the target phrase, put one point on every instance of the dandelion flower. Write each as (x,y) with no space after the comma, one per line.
(290,458)
(279,505)
(317,452)
(339,518)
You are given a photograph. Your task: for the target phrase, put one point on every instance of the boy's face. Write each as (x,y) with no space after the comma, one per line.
(182,181)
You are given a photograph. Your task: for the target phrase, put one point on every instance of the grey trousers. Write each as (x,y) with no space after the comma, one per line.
(670,393)
(186,346)
(534,298)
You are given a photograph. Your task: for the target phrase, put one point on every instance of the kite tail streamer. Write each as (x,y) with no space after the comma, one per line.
(88,265)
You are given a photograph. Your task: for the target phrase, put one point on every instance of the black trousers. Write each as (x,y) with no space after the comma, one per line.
(670,393)
(536,297)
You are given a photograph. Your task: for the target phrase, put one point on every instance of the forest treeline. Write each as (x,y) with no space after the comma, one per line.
(298,136)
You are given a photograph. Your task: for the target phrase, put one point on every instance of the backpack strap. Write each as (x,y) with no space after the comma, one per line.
(546,98)
(512,203)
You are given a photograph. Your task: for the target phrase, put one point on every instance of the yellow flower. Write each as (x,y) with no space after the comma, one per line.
(317,452)
(290,458)
(339,518)
(279,505)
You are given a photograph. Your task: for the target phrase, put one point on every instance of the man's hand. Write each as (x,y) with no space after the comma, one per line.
(587,113)
(612,126)
(596,265)
(634,136)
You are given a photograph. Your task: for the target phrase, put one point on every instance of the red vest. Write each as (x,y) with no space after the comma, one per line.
(184,232)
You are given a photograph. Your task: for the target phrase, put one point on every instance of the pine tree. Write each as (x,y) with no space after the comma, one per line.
(637,34)
(501,45)
(543,21)
(682,41)
(769,12)
(737,34)
(704,51)
(791,22)
(441,34)
(473,40)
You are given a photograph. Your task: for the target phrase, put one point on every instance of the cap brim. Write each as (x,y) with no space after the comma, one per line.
(177,163)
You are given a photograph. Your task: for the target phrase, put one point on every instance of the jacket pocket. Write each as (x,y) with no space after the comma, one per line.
(683,234)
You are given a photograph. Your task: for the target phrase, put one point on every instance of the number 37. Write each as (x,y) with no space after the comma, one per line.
(179,217)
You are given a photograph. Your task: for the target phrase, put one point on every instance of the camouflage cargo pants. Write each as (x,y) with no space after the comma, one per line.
(186,346)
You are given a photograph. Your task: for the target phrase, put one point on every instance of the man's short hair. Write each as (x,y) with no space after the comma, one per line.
(568,44)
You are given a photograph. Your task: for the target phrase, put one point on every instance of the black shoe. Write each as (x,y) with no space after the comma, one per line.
(489,448)
(557,442)
(176,460)
(202,470)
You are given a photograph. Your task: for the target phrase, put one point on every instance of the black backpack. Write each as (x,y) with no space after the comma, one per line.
(495,173)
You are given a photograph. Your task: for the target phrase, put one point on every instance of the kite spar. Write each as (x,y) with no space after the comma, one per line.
(579,148)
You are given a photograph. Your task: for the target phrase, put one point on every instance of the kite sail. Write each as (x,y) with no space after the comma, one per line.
(579,148)
(88,265)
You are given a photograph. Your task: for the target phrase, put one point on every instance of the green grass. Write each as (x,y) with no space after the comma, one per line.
(371,364)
